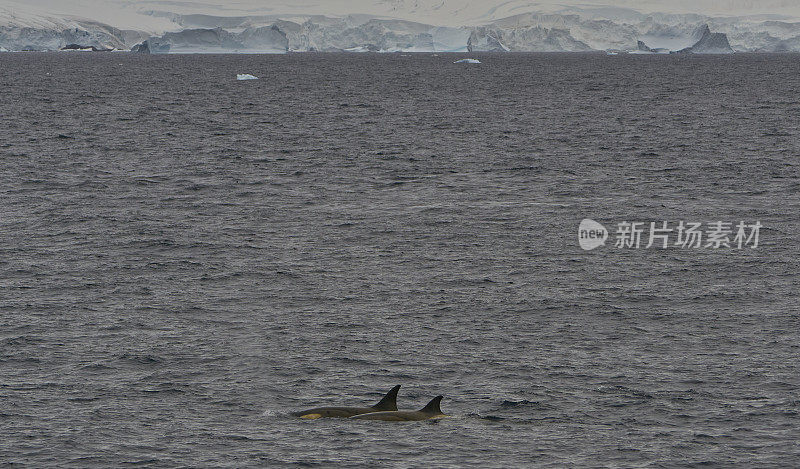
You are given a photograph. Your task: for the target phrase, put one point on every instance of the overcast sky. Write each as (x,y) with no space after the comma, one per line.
(126,13)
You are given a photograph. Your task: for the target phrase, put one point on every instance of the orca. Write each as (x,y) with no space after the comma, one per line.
(388,403)
(430,411)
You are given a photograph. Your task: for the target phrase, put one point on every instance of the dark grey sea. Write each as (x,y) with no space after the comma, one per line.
(186,258)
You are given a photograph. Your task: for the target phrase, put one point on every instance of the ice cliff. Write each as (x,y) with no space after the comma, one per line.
(702,41)
(573,30)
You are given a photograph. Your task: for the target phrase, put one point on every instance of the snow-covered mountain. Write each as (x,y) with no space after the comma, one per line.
(708,26)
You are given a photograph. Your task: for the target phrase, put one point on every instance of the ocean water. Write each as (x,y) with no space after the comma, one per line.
(185,258)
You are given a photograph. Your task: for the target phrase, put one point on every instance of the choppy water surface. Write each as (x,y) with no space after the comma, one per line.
(185,257)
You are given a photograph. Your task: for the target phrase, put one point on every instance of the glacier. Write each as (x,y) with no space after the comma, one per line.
(557,28)
(701,41)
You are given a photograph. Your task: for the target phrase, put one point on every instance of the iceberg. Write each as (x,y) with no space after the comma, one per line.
(467,61)
(151,46)
(641,48)
(662,38)
(701,41)
(246,76)
(81,48)
(710,43)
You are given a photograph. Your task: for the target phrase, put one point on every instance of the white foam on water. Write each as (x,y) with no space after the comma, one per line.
(246,76)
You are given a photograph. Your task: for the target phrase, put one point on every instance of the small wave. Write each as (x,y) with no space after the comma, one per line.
(492,418)
(239,438)
(82,399)
(165,391)
(21,361)
(96,367)
(515,404)
(625,391)
(140,462)
(21,340)
(139,359)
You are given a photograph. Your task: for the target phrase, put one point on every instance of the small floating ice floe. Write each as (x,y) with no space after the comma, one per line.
(246,76)
(467,61)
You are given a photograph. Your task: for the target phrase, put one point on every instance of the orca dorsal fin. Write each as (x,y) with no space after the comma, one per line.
(389,401)
(433,406)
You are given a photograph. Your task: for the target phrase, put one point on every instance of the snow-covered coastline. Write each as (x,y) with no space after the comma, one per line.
(574,29)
